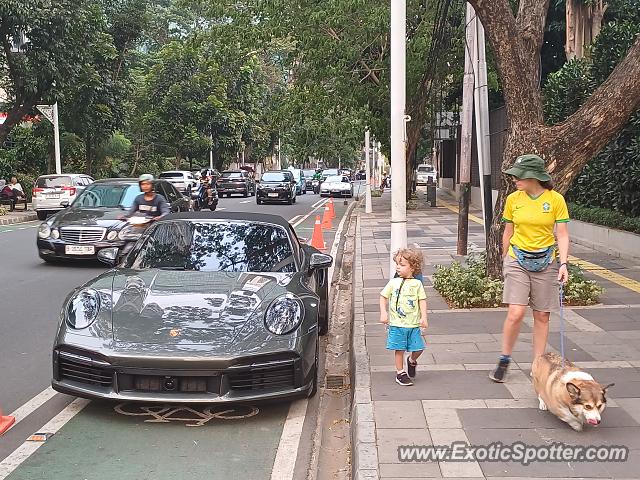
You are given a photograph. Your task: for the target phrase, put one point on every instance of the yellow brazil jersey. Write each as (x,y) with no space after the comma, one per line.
(404,295)
(534,219)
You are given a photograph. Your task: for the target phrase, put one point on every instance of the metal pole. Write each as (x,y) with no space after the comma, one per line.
(367,158)
(466,135)
(56,139)
(482,123)
(211,152)
(380,163)
(398,125)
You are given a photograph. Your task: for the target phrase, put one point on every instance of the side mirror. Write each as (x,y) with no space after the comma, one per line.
(109,256)
(65,204)
(320,260)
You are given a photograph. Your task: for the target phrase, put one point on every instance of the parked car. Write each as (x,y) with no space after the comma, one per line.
(329,172)
(276,186)
(183,180)
(236,181)
(424,172)
(301,184)
(190,320)
(337,186)
(51,193)
(92,222)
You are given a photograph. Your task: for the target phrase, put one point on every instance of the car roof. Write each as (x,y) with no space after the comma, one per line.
(125,180)
(54,175)
(176,171)
(240,216)
(277,171)
(232,171)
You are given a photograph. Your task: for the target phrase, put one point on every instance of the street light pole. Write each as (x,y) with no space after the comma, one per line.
(398,125)
(367,158)
(211,151)
(56,139)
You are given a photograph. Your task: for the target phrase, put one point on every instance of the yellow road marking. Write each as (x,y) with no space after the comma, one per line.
(602,272)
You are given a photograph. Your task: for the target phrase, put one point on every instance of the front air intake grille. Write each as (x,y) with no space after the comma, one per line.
(278,376)
(82,234)
(81,369)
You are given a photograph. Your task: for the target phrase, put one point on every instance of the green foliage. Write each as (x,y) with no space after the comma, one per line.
(465,285)
(604,217)
(612,179)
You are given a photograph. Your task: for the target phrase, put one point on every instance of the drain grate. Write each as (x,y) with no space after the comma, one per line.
(333,382)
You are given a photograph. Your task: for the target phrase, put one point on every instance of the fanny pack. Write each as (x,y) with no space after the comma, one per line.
(535,261)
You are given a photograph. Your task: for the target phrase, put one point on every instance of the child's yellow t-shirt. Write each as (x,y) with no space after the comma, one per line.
(404,295)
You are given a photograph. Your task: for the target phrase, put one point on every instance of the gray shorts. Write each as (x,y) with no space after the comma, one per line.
(540,290)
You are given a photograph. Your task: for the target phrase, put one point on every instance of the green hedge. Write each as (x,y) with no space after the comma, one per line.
(604,217)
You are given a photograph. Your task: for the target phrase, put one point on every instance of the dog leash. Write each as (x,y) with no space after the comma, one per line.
(562,323)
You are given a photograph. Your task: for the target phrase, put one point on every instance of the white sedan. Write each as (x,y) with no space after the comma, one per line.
(336,186)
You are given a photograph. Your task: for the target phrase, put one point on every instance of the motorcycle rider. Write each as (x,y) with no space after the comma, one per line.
(149,203)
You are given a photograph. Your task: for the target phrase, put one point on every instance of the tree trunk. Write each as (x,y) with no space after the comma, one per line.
(584,23)
(88,155)
(178,160)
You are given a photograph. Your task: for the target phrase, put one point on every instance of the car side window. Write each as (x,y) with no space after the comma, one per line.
(170,192)
(78,182)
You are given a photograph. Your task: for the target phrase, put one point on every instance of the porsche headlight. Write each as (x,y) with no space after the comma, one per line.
(283,315)
(112,235)
(83,308)
(44,230)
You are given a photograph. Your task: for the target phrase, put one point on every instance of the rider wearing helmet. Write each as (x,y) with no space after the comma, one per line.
(149,203)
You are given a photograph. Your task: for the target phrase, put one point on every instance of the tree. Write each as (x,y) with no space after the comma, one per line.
(516,41)
(43,47)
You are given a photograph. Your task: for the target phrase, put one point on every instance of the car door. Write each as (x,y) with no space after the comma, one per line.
(173,196)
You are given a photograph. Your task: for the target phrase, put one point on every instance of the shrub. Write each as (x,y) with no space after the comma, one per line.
(466,285)
(604,217)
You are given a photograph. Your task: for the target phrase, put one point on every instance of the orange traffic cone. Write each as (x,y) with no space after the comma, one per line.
(331,210)
(326,218)
(316,240)
(6,422)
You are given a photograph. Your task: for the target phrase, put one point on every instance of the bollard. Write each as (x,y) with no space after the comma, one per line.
(431,194)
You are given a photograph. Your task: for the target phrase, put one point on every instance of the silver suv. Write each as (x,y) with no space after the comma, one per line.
(52,193)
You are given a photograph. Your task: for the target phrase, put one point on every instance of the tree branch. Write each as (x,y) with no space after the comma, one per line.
(602,116)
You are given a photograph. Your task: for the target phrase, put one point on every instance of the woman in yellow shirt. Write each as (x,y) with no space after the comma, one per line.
(531,268)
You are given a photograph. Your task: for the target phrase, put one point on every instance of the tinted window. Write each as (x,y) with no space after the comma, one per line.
(425,169)
(78,181)
(53,182)
(215,247)
(108,196)
(171,175)
(171,192)
(232,175)
(331,171)
(274,177)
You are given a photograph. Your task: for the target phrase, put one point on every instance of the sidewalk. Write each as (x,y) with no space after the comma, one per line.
(18,216)
(452,398)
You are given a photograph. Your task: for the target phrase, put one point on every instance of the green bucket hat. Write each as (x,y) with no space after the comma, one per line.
(529,166)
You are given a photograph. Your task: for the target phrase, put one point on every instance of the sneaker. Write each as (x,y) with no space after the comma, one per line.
(500,373)
(411,367)
(403,379)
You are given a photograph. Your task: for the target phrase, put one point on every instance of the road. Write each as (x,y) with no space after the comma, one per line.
(104,441)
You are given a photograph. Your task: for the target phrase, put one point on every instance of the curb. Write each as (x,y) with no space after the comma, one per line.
(28,217)
(364,452)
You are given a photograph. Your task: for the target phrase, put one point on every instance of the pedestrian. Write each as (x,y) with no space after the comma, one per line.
(403,307)
(534,259)
(17,188)
(6,193)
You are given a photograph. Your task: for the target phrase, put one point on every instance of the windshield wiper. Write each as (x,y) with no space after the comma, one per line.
(173,268)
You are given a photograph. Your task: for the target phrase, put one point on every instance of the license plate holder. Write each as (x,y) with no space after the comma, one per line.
(53,196)
(79,249)
(272,195)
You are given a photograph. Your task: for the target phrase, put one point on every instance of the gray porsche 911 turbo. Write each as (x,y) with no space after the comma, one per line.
(207,307)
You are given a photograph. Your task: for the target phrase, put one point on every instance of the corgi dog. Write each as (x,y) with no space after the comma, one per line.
(569,393)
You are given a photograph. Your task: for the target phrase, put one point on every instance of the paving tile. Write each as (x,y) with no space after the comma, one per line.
(521,390)
(479,357)
(438,385)
(460,469)
(404,414)
(625,436)
(389,439)
(627,469)
(631,406)
(410,470)
(521,418)
(442,418)
(620,352)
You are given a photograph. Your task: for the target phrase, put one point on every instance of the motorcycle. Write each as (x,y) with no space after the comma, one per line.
(204,195)
(132,232)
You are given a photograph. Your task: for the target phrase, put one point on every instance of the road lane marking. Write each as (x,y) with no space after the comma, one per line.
(293,219)
(32,405)
(322,203)
(245,201)
(315,205)
(24,451)
(597,270)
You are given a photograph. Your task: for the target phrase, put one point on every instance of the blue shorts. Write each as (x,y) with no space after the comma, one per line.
(406,339)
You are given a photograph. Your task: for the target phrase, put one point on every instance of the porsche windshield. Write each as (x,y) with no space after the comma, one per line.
(215,247)
(108,195)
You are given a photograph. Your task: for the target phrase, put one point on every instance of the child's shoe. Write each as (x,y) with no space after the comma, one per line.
(403,379)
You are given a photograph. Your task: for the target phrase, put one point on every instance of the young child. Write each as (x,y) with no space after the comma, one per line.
(403,306)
